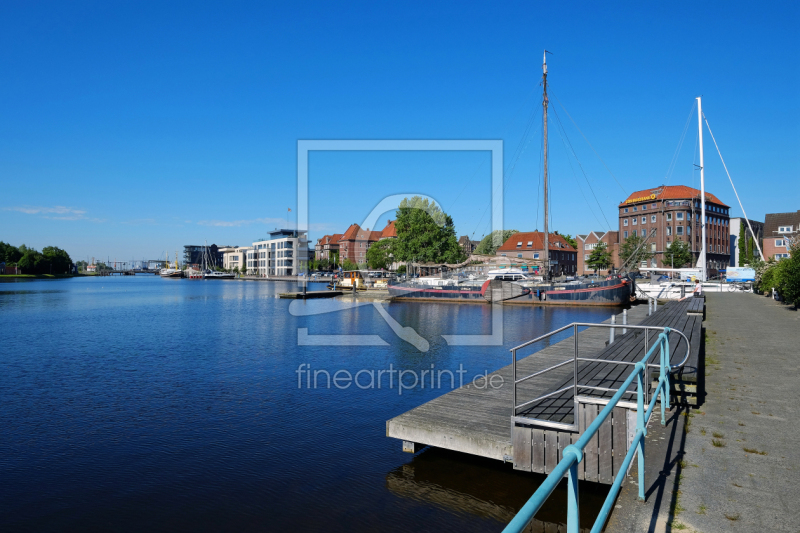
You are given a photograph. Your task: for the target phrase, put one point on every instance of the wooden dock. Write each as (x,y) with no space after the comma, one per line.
(477,420)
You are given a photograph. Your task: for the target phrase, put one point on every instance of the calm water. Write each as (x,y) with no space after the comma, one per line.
(133,404)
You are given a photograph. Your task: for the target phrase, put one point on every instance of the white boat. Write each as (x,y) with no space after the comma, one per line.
(168,272)
(512,274)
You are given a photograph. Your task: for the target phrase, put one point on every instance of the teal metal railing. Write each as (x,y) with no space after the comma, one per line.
(573,454)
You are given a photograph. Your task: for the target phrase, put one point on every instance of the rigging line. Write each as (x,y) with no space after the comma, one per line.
(558,119)
(575,176)
(512,165)
(732,185)
(671,166)
(587,142)
(507,125)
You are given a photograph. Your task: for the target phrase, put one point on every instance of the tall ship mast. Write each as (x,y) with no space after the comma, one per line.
(544,124)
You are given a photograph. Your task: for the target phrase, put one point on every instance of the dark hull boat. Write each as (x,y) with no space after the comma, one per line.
(480,292)
(612,291)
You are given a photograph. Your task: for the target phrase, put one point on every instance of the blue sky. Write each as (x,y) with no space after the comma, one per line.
(132,128)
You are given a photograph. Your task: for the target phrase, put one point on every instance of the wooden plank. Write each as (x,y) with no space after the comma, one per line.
(521,443)
(537,451)
(550,450)
(619,431)
(563,441)
(605,447)
(590,452)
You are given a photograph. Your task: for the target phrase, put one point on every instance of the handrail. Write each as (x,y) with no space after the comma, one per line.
(573,454)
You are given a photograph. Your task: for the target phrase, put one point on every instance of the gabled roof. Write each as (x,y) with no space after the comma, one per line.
(668,192)
(355,233)
(774,220)
(389,231)
(536,238)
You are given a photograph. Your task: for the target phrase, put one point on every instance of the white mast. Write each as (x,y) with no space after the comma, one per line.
(702,258)
(544,122)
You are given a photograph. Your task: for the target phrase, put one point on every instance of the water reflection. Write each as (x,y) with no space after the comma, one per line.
(469,485)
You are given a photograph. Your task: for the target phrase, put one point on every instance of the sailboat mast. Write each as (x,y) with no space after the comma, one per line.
(544,122)
(702,258)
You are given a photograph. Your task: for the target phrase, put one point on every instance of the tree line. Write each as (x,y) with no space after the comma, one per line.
(51,260)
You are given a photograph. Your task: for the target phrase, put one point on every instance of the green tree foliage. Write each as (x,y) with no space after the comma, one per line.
(9,254)
(599,259)
(417,202)
(420,238)
(677,254)
(633,251)
(349,265)
(379,255)
(401,269)
(789,277)
(51,260)
(324,264)
(489,245)
(743,256)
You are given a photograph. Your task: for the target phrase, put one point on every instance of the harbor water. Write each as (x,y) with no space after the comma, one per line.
(147,404)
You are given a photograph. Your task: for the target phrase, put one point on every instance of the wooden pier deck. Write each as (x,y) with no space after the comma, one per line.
(478,420)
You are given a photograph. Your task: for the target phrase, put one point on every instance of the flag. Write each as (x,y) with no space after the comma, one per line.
(290,209)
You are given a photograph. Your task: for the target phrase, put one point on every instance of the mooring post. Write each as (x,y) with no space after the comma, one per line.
(611,330)
(655,304)
(624,321)
(649,306)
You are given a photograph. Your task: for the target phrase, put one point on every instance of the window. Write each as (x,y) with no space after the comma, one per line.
(644,264)
(519,255)
(688,230)
(669,230)
(519,244)
(679,230)
(586,257)
(644,220)
(536,255)
(679,215)
(669,216)
(635,209)
(652,218)
(626,233)
(653,206)
(784,229)
(644,233)
(626,209)
(644,208)
(781,256)
(530,244)
(625,222)
(635,221)
(778,242)
(653,248)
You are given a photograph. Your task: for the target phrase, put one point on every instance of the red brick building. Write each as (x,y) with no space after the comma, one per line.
(587,243)
(672,212)
(327,247)
(779,230)
(354,243)
(530,245)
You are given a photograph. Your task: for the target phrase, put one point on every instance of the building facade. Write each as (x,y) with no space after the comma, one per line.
(737,223)
(530,245)
(284,253)
(234,257)
(587,243)
(780,231)
(199,254)
(671,213)
(467,245)
(327,247)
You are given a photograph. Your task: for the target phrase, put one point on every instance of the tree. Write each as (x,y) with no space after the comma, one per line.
(417,202)
(349,265)
(9,254)
(678,254)
(324,264)
(379,255)
(789,277)
(488,246)
(633,251)
(743,256)
(421,238)
(599,259)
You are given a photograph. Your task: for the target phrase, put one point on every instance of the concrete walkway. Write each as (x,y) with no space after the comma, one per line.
(736,466)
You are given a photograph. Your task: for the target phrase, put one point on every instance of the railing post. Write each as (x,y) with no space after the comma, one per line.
(640,426)
(575,371)
(649,306)
(624,321)
(666,363)
(573,514)
(646,369)
(513,390)
(611,330)
(663,381)
(655,305)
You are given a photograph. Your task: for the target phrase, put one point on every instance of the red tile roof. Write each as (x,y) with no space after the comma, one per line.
(355,233)
(389,231)
(669,192)
(537,238)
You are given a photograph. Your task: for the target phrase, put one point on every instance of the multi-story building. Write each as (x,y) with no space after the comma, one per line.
(530,245)
(672,212)
(234,257)
(587,243)
(737,223)
(327,247)
(467,244)
(200,254)
(780,231)
(284,253)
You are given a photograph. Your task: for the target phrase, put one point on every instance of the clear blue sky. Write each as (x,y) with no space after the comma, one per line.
(132,128)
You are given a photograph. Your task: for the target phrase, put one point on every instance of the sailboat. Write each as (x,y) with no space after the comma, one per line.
(209,272)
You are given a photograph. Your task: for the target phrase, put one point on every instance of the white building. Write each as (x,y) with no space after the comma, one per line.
(284,253)
(234,256)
